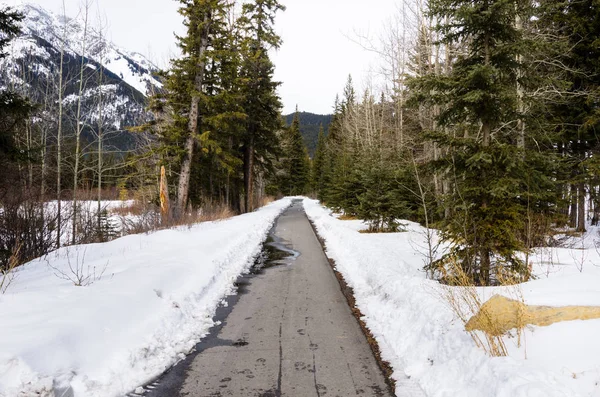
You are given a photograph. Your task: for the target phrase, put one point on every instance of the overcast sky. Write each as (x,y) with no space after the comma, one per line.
(313,63)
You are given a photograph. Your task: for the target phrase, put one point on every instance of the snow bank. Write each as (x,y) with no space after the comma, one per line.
(428,347)
(153,303)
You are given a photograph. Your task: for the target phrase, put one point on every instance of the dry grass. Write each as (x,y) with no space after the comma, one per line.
(463,298)
(210,212)
(512,287)
(381,231)
(213,213)
(136,208)
(111,193)
(266,200)
(347,217)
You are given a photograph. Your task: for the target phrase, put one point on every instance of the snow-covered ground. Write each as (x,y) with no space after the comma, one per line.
(153,302)
(428,347)
(88,210)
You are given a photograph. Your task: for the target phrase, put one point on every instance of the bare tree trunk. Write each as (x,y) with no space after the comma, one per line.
(594,203)
(29,133)
(436,113)
(520,91)
(249,175)
(447,182)
(59,132)
(186,166)
(581,208)
(79,122)
(100,154)
(573,210)
(486,129)
(228,185)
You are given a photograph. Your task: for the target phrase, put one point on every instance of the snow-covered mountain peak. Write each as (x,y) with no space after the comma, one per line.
(71,34)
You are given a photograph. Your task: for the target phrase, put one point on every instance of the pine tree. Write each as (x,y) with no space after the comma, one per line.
(199,106)
(382,199)
(478,106)
(296,168)
(217,167)
(345,184)
(318,166)
(333,144)
(261,102)
(14,109)
(205,22)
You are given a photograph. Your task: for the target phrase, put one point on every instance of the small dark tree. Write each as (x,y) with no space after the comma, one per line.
(295,164)
(318,166)
(14,109)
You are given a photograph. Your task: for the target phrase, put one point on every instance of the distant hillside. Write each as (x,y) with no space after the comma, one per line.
(309,127)
(122,80)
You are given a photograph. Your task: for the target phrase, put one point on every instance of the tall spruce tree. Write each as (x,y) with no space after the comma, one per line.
(333,144)
(318,166)
(195,108)
(14,109)
(261,102)
(345,173)
(295,164)
(204,20)
(478,113)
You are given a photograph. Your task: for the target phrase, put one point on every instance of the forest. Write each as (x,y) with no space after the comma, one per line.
(161,225)
(74,132)
(484,129)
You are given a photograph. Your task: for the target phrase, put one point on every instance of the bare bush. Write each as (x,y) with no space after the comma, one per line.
(146,218)
(8,273)
(77,271)
(25,224)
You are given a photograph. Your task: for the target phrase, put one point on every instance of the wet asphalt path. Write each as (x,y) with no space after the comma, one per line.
(290,333)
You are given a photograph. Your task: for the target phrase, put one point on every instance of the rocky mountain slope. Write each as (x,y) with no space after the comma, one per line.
(116,83)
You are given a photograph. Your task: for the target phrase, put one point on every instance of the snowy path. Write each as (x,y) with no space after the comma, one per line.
(153,303)
(290,334)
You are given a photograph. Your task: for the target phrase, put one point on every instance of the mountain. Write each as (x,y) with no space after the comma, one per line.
(309,127)
(115,81)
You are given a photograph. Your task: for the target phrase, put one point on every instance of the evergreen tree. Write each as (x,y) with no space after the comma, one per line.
(333,144)
(261,102)
(576,61)
(205,21)
(318,166)
(296,167)
(382,198)
(199,108)
(343,191)
(14,109)
(478,105)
